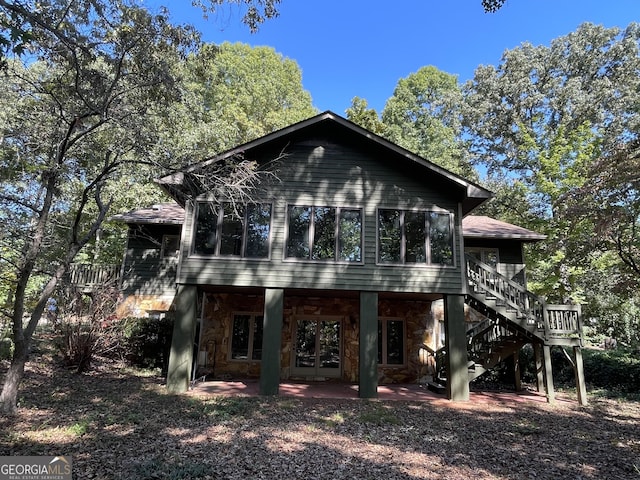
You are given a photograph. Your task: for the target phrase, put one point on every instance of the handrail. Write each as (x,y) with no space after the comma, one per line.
(557,321)
(512,294)
(88,275)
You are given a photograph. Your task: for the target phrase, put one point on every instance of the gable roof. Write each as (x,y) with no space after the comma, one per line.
(473,226)
(473,194)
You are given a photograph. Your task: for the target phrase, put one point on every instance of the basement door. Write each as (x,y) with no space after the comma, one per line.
(318,351)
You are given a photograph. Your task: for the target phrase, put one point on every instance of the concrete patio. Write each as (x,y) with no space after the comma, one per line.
(335,390)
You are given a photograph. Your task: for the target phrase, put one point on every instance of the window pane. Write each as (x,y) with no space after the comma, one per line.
(258,225)
(299,223)
(389,236)
(395,342)
(240,337)
(414,230)
(324,237)
(350,236)
(256,352)
(441,238)
(206,229)
(306,343)
(232,229)
(170,245)
(490,257)
(329,344)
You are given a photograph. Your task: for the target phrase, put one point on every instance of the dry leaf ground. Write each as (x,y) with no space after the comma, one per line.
(122,424)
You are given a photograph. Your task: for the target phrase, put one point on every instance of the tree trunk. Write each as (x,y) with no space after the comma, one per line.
(9,396)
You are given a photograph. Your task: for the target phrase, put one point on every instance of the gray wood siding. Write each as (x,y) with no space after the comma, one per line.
(335,175)
(510,254)
(145,272)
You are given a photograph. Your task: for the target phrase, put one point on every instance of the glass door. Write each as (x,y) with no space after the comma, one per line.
(318,348)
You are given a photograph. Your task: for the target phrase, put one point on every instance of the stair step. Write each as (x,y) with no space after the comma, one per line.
(437,387)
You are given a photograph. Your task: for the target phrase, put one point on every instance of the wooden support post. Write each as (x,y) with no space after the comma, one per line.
(184,329)
(517,381)
(537,355)
(368,362)
(456,344)
(581,387)
(548,374)
(271,341)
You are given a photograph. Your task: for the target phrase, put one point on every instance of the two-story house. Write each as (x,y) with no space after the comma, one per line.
(356,260)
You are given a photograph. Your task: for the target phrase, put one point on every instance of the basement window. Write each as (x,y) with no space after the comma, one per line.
(246,339)
(391,341)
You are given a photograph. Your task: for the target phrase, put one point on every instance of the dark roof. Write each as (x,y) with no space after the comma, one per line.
(473,226)
(162,213)
(479,226)
(474,195)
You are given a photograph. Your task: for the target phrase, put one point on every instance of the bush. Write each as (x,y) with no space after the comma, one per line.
(614,370)
(147,341)
(6,348)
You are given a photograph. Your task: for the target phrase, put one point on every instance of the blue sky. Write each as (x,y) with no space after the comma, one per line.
(348,48)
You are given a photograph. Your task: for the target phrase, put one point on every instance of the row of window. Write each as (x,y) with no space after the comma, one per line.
(246,339)
(324,233)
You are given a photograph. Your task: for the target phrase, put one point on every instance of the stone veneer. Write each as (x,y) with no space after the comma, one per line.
(421,328)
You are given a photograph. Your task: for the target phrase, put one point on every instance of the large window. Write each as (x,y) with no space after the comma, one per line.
(242,231)
(415,237)
(391,342)
(324,234)
(246,338)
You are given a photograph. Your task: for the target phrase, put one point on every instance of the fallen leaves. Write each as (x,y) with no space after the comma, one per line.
(121,424)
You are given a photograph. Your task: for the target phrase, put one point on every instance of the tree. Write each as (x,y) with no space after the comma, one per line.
(234,93)
(422,116)
(550,117)
(20,19)
(360,113)
(71,118)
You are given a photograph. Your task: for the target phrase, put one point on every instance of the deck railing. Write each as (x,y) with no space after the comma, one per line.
(530,311)
(91,276)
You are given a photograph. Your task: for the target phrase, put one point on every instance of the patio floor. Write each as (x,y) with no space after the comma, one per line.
(405,392)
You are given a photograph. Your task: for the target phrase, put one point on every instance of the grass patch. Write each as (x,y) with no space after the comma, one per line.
(222,408)
(379,415)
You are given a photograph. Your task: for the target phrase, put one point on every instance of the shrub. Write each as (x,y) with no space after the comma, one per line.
(147,341)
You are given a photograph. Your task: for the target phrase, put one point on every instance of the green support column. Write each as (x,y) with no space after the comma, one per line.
(271,341)
(548,374)
(184,329)
(456,344)
(368,363)
(579,368)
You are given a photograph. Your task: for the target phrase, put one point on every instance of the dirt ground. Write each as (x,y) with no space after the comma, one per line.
(117,423)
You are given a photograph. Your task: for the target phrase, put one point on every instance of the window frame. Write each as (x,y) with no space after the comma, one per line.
(384,342)
(311,235)
(426,213)
(163,246)
(253,316)
(220,222)
(481,253)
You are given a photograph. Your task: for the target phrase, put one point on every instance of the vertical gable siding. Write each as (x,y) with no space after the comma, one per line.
(335,175)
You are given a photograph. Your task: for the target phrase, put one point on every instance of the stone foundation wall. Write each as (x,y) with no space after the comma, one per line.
(421,328)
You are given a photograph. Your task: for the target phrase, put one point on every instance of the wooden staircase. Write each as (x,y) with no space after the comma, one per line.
(513,317)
